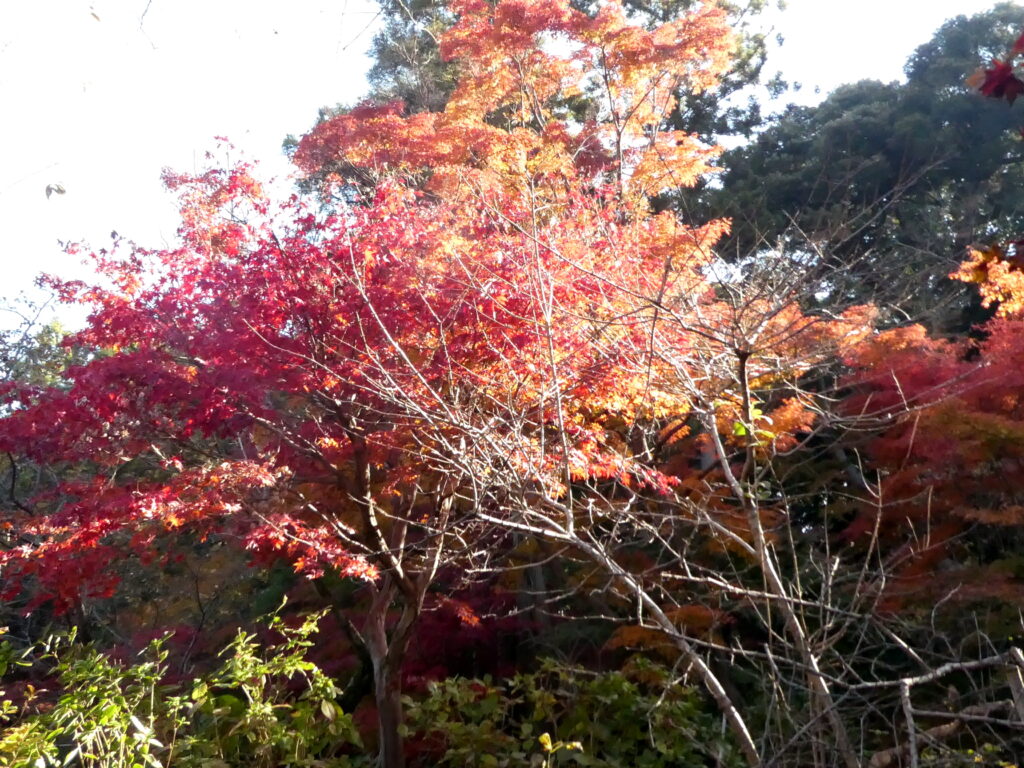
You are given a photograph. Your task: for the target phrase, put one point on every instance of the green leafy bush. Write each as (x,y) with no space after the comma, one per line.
(263,706)
(637,718)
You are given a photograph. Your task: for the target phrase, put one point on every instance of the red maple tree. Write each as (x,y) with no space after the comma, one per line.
(369,387)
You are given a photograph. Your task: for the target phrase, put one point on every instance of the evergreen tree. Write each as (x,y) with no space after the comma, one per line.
(890,181)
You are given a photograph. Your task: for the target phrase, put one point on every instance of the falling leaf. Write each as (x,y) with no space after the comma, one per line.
(1018,47)
(54,188)
(999,82)
(976,79)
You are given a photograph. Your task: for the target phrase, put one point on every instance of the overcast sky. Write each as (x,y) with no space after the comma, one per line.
(100,95)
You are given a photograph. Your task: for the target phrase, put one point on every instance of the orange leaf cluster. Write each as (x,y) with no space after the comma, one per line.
(1000,278)
(506,128)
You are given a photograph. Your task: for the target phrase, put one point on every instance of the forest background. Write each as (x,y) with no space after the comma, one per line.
(575,450)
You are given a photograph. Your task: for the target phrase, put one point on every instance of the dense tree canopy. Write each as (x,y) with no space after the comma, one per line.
(890,180)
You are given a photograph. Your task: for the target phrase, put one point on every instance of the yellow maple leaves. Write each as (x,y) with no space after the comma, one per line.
(999,276)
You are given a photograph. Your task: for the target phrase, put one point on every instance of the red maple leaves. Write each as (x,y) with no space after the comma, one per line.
(1000,80)
(494,316)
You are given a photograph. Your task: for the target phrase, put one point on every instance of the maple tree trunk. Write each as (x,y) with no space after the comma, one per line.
(386,658)
(388,696)
(387,651)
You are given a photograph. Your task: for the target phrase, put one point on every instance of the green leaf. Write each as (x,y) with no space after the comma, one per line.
(328,710)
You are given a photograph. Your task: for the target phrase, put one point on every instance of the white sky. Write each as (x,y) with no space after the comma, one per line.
(830,42)
(98,103)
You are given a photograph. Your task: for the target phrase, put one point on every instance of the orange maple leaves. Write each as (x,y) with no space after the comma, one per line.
(999,277)
(509,126)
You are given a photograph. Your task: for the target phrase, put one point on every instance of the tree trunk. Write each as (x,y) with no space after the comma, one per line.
(386,654)
(387,690)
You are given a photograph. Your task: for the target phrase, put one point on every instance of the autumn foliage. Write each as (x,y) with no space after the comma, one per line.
(508,130)
(365,388)
(501,303)
(948,450)
(1000,81)
(479,347)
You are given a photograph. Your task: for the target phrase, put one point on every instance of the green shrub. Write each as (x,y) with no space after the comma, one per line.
(265,706)
(245,713)
(559,715)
